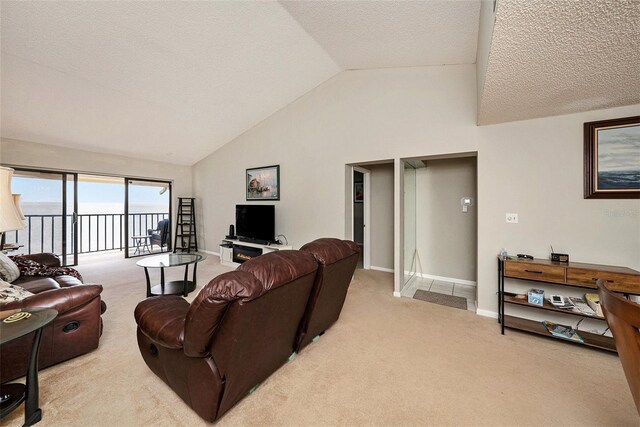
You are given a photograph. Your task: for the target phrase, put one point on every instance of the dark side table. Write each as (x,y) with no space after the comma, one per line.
(175,287)
(13,394)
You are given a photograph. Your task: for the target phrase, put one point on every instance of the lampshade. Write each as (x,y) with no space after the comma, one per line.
(10,218)
(16,202)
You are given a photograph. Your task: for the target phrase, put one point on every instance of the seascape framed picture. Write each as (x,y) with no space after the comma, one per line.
(358,192)
(263,183)
(612,159)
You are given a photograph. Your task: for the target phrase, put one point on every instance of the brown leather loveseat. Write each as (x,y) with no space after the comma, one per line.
(244,324)
(75,331)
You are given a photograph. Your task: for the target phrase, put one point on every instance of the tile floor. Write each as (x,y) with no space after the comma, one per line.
(442,287)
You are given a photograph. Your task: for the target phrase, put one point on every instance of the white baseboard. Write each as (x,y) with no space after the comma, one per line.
(397,294)
(444,279)
(386,270)
(487,313)
(210,252)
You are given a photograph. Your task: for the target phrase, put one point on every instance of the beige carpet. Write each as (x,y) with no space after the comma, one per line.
(387,361)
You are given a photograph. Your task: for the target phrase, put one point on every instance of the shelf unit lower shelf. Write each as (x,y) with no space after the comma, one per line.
(510,298)
(590,340)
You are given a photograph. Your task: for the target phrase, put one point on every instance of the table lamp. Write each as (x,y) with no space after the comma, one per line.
(10,215)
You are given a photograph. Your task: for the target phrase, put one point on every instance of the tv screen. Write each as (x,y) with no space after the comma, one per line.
(255,222)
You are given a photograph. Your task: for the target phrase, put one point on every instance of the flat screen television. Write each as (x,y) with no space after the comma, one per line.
(256,223)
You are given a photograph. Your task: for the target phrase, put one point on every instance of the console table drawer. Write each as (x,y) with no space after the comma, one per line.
(615,281)
(543,273)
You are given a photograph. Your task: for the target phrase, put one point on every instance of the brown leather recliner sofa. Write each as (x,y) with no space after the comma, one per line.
(75,331)
(337,260)
(244,324)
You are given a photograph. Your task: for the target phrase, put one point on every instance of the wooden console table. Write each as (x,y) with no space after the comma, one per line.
(571,274)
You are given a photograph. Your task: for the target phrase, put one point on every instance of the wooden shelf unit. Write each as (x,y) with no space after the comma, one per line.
(571,274)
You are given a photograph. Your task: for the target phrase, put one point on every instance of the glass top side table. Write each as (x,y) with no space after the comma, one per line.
(13,394)
(175,287)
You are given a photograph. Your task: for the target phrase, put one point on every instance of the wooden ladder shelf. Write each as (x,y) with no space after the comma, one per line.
(186,239)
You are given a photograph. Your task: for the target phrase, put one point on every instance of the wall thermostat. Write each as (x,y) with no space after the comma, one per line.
(466,202)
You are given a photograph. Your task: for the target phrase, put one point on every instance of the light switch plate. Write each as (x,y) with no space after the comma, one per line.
(512,218)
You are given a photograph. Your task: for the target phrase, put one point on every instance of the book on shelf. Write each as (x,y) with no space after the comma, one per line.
(594,302)
(561,331)
(582,306)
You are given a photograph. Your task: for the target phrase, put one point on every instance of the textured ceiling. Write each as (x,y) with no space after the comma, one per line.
(169,81)
(557,57)
(377,34)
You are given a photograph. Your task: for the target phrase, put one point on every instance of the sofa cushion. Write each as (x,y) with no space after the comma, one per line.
(37,284)
(9,292)
(329,250)
(66,281)
(8,269)
(162,319)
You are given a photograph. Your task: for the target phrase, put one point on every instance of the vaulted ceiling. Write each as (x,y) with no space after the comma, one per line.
(556,57)
(174,81)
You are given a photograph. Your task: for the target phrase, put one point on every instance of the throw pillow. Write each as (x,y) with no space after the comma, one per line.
(9,292)
(8,269)
(29,267)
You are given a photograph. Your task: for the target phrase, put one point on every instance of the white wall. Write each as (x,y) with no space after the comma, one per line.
(357,116)
(535,168)
(31,154)
(381,223)
(530,167)
(446,236)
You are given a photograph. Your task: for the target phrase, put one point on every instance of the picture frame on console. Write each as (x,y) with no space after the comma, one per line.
(263,183)
(612,159)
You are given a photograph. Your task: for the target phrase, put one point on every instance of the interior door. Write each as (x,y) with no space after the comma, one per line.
(147,216)
(48,200)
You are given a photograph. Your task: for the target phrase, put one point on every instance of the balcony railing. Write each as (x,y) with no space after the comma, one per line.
(96,232)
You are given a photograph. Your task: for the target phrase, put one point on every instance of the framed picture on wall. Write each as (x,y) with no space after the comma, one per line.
(612,159)
(358,192)
(263,183)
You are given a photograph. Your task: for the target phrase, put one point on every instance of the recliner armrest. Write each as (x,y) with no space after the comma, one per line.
(63,299)
(162,319)
(48,259)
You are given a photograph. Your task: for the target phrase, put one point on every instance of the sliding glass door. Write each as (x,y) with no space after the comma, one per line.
(49,204)
(148,214)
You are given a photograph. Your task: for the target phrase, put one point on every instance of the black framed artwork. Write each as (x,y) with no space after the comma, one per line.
(263,183)
(612,159)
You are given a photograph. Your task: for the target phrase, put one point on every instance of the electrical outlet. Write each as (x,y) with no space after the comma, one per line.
(512,218)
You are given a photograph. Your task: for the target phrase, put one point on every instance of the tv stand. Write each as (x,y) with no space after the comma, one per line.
(245,250)
(256,241)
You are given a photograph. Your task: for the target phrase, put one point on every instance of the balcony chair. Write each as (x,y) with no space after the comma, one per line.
(623,317)
(160,236)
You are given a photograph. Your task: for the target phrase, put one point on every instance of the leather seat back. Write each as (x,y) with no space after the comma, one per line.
(248,319)
(337,261)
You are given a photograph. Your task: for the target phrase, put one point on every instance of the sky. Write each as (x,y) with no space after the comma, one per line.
(619,149)
(38,190)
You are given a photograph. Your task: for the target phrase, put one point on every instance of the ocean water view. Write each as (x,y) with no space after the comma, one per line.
(619,180)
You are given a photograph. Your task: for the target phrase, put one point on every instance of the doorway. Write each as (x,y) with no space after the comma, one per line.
(370,212)
(49,204)
(439,248)
(148,212)
(361,214)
